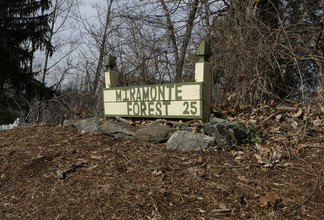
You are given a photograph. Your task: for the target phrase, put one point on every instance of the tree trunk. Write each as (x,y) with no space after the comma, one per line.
(101,51)
(180,54)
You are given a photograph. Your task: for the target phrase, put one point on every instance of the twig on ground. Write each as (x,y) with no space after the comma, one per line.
(287,108)
(313,192)
(73,167)
(289,155)
(222,210)
(8,165)
(317,181)
(225,167)
(193,174)
(268,118)
(315,146)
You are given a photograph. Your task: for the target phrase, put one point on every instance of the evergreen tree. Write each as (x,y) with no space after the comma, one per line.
(23,30)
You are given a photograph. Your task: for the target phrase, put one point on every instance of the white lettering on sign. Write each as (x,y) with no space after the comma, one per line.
(169,100)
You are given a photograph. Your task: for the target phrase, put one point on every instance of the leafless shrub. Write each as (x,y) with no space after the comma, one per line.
(72,105)
(257,60)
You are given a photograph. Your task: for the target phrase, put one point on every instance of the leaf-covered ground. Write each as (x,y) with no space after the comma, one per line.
(281,177)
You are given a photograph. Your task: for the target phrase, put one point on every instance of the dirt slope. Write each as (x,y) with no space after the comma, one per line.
(123,180)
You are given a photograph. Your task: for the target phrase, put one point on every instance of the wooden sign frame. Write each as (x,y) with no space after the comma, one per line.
(180,100)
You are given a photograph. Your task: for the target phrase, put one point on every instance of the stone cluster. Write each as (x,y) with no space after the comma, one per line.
(216,132)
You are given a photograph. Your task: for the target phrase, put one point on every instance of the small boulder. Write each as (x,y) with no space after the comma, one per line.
(88,124)
(185,140)
(226,133)
(155,134)
(118,129)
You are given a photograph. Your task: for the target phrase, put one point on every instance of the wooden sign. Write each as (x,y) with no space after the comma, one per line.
(182,100)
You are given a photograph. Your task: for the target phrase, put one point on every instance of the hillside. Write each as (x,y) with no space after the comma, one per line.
(110,178)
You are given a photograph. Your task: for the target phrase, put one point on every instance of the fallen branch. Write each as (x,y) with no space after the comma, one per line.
(271,116)
(63,174)
(287,108)
(222,210)
(225,167)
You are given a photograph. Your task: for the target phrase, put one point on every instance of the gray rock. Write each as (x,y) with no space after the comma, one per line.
(4,127)
(118,129)
(218,120)
(156,134)
(184,140)
(88,124)
(226,133)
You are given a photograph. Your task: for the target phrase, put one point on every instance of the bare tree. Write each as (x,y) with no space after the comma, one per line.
(63,42)
(95,31)
(257,55)
(159,37)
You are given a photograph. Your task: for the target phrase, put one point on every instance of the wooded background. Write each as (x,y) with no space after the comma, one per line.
(53,52)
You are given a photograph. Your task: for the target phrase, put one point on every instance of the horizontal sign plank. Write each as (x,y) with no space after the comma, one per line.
(169,109)
(182,100)
(164,92)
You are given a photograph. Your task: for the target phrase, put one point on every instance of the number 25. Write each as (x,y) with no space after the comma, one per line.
(193,108)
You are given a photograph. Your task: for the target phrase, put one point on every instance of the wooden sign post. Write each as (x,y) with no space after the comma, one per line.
(110,75)
(181,100)
(203,74)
